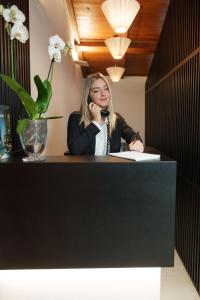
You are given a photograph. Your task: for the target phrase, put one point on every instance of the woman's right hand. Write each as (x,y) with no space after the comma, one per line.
(96,113)
(136,146)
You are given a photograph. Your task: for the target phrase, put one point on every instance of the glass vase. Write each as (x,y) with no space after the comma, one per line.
(5,133)
(33,140)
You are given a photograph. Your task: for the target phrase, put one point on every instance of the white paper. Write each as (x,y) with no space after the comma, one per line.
(137,156)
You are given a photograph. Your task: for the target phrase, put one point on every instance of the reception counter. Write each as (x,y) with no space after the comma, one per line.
(87,212)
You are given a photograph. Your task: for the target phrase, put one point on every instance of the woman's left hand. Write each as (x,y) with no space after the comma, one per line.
(136,146)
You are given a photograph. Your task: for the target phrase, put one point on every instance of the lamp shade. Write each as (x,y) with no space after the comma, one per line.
(117,46)
(115,73)
(120,13)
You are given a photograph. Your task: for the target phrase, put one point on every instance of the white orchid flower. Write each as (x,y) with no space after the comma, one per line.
(54,53)
(19,32)
(13,15)
(1,9)
(57,42)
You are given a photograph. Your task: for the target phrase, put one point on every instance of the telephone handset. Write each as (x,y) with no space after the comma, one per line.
(104,113)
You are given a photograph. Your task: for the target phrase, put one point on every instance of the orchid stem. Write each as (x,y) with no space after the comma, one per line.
(12,59)
(52,72)
(51,66)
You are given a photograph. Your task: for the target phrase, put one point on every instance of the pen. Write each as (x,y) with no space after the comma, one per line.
(136,136)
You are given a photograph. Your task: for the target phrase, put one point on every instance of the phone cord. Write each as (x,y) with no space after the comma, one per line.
(108,138)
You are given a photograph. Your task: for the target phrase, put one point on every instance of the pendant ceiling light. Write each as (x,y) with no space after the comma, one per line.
(120,13)
(117,46)
(115,73)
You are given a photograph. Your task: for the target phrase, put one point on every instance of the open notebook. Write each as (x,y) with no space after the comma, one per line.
(137,156)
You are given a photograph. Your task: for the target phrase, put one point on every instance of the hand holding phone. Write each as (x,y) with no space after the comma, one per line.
(104,112)
(95,111)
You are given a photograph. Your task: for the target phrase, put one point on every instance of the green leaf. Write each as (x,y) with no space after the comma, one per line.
(44,94)
(26,99)
(28,104)
(47,84)
(13,84)
(21,125)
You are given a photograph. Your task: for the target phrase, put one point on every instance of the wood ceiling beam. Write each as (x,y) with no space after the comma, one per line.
(99,42)
(104,49)
(136,46)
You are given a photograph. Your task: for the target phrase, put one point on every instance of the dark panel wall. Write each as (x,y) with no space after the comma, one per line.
(173,120)
(22,69)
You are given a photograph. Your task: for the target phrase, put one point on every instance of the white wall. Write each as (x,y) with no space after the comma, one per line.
(129,101)
(47,18)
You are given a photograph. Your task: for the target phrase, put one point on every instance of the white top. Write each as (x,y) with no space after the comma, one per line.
(101,139)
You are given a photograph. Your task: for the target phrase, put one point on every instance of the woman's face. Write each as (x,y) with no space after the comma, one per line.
(99,93)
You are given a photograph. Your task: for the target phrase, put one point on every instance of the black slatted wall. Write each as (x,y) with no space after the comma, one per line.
(173,120)
(22,69)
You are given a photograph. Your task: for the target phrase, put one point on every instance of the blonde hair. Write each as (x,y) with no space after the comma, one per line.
(86,115)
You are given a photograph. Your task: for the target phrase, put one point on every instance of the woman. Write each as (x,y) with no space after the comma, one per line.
(90,132)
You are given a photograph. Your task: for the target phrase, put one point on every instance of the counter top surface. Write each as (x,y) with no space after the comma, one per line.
(88,159)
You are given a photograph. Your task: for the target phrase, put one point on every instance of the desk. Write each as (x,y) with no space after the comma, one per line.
(85,212)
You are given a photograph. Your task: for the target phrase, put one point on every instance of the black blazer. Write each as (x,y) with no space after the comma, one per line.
(81,140)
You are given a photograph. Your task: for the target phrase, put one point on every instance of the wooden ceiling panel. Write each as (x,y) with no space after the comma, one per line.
(138,64)
(93,29)
(98,60)
(91,21)
(149,20)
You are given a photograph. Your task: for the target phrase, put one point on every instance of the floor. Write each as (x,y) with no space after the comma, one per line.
(176,283)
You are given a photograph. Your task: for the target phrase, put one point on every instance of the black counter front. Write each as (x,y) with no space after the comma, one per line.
(81,211)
